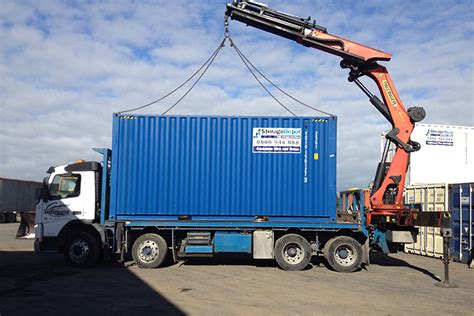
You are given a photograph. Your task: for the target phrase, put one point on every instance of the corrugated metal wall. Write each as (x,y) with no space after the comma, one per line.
(188,165)
(462,221)
(433,198)
(18,195)
(458,199)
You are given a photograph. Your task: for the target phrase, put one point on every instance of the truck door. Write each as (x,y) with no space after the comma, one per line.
(64,203)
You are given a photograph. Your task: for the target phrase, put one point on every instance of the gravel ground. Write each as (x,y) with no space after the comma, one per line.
(401,284)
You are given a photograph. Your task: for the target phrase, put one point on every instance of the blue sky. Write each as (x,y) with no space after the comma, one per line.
(65,67)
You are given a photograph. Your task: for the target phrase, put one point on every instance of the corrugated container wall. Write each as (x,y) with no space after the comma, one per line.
(433,198)
(458,200)
(462,221)
(223,166)
(18,195)
(446,154)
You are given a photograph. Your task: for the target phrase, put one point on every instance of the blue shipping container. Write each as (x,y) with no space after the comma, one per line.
(462,221)
(223,167)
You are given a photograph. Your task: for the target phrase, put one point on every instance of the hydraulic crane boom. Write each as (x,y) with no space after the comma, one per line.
(387,192)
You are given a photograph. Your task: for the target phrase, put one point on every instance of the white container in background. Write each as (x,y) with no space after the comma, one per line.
(446,154)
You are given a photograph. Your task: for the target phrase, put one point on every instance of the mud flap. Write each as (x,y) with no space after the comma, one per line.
(121,241)
(471,260)
(380,241)
(26,230)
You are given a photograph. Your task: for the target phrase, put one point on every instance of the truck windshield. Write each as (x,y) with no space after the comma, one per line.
(64,187)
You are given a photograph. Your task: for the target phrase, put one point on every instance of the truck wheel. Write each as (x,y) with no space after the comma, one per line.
(292,252)
(343,254)
(149,251)
(3,217)
(82,250)
(327,245)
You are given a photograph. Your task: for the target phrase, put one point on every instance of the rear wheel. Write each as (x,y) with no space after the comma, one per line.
(292,252)
(82,250)
(149,251)
(3,217)
(343,254)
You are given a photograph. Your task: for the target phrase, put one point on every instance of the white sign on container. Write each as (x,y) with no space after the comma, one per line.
(276,140)
(446,154)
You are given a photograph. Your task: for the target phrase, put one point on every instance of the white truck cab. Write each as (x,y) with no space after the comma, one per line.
(68,209)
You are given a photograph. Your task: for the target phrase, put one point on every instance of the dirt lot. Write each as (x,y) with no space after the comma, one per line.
(399,285)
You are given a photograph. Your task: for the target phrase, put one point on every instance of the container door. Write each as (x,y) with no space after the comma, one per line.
(462,214)
(432,198)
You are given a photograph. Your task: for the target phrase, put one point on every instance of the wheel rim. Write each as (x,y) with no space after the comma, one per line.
(148,251)
(79,251)
(293,253)
(345,255)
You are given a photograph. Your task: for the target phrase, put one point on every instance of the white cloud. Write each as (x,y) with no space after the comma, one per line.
(66,68)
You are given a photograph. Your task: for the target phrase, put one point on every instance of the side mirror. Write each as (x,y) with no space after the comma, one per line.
(44,190)
(38,194)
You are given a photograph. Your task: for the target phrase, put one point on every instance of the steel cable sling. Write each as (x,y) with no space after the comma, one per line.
(208,62)
(204,67)
(246,61)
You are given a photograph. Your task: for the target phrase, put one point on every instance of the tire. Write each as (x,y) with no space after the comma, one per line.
(149,251)
(82,250)
(3,218)
(292,252)
(343,254)
(327,245)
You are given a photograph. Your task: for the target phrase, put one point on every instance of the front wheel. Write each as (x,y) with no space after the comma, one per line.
(149,251)
(343,254)
(82,250)
(292,252)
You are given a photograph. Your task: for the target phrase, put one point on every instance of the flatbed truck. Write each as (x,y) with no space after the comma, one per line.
(195,186)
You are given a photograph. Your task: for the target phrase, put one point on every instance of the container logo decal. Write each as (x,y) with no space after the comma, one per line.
(439,137)
(276,140)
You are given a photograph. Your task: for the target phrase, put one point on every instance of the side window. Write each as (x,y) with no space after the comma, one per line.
(64,187)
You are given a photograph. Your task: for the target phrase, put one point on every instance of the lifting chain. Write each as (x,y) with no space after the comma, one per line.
(226,27)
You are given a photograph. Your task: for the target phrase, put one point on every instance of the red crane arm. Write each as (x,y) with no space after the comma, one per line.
(387,191)
(343,47)
(401,121)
